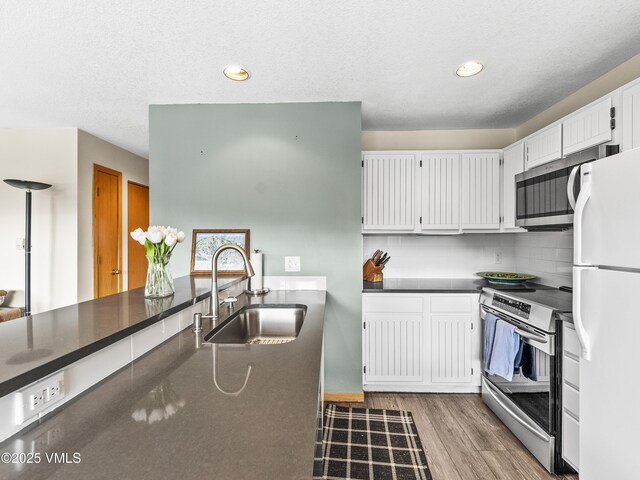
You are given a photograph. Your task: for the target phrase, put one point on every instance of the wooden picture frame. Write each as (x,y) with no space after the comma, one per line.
(205,241)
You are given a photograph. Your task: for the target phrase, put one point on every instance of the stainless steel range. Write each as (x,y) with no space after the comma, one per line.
(530,405)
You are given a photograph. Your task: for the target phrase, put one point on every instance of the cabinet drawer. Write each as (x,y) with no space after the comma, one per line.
(571,371)
(383,303)
(571,399)
(570,342)
(570,440)
(452,303)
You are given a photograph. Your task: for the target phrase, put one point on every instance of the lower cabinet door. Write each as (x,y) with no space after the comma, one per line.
(393,350)
(451,349)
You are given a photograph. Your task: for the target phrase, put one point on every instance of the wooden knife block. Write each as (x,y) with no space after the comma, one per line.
(371,272)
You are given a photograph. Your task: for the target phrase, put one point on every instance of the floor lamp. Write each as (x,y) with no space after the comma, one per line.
(28,186)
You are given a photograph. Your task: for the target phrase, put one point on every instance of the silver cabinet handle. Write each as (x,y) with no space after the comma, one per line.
(514,415)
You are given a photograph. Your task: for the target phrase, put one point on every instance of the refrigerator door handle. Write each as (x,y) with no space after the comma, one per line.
(570,184)
(578,323)
(581,203)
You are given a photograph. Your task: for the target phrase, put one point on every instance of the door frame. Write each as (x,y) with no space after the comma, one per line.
(99,168)
(138,184)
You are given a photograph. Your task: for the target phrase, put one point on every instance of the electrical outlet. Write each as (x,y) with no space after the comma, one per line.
(37,397)
(291,264)
(498,259)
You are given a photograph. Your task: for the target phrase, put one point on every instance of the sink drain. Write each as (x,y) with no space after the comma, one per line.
(269,341)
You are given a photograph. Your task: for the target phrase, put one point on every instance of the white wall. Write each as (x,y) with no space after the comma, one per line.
(548,255)
(92,150)
(442,256)
(49,156)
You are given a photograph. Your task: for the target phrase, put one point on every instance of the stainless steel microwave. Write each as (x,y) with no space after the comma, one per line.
(546,195)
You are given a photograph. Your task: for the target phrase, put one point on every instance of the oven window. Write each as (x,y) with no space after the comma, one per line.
(543,196)
(532,397)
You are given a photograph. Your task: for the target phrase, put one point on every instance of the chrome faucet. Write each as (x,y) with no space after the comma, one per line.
(214,311)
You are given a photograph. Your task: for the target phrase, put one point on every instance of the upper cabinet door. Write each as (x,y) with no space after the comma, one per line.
(588,127)
(513,164)
(545,146)
(631,116)
(388,181)
(480,191)
(440,181)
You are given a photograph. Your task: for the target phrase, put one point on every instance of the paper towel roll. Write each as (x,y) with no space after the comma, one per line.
(256,263)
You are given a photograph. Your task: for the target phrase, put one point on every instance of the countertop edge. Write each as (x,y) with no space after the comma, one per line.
(41,371)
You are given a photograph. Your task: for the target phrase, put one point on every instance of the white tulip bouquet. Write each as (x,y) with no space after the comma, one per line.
(159,243)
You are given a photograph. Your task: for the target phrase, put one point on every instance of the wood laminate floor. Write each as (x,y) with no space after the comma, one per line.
(463,439)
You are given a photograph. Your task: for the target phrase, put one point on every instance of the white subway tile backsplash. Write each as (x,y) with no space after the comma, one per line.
(548,255)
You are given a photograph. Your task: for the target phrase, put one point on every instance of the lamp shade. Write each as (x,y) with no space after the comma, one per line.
(27,184)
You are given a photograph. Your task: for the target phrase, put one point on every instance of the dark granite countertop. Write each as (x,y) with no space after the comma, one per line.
(434,285)
(192,411)
(425,285)
(33,347)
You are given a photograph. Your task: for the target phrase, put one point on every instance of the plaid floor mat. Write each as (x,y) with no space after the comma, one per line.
(370,444)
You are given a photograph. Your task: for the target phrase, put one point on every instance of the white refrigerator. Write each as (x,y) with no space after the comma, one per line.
(606,311)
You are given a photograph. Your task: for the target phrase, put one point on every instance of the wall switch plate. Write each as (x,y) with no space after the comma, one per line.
(291,264)
(20,243)
(498,258)
(37,397)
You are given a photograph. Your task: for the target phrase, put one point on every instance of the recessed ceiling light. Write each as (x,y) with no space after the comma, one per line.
(235,72)
(469,69)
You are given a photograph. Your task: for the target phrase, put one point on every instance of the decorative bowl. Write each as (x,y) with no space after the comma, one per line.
(505,278)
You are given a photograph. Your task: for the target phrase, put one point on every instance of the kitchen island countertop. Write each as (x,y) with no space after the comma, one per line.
(192,410)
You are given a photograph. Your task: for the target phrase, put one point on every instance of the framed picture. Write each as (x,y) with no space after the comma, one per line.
(205,242)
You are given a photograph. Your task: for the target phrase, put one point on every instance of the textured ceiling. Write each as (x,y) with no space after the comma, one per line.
(97,65)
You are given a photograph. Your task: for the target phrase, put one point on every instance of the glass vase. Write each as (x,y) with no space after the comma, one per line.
(159,281)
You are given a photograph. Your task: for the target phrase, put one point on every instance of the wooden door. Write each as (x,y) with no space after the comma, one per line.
(480,191)
(388,181)
(107,231)
(137,217)
(440,202)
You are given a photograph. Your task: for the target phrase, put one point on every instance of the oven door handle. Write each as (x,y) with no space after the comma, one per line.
(513,414)
(531,336)
(519,331)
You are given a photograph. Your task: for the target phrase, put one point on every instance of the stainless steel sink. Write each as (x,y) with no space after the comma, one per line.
(260,324)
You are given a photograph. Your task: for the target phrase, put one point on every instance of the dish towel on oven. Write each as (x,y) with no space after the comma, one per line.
(506,344)
(489,333)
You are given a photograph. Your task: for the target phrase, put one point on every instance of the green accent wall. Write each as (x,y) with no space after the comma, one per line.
(290,173)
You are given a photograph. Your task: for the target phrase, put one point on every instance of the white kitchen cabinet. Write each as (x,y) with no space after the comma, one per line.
(421,342)
(393,348)
(587,127)
(544,146)
(388,188)
(450,352)
(512,165)
(480,186)
(570,395)
(630,115)
(440,191)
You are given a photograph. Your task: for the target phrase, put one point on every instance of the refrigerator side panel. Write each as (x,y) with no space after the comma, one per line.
(609,389)
(611,219)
